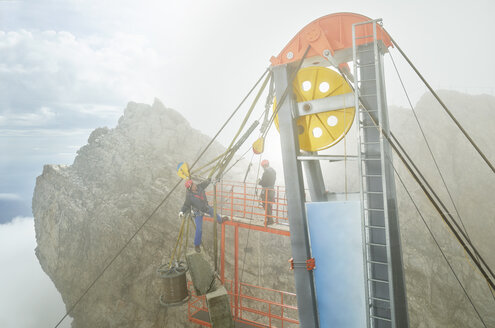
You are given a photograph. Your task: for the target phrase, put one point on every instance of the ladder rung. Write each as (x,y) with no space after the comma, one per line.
(377,262)
(375,244)
(367,80)
(373,192)
(379,299)
(368,95)
(374,227)
(371,159)
(372,176)
(379,280)
(368,126)
(380,318)
(374,209)
(366,65)
(370,142)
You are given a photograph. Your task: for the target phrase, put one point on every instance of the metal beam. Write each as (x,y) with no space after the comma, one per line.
(330,158)
(294,184)
(326,104)
(314,179)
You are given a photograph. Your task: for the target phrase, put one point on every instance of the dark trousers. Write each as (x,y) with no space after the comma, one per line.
(267,197)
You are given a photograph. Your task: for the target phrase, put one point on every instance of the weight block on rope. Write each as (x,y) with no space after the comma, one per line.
(202,274)
(219,308)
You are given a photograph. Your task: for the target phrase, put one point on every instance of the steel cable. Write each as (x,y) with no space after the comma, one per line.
(159,205)
(449,113)
(436,165)
(489,280)
(429,148)
(437,244)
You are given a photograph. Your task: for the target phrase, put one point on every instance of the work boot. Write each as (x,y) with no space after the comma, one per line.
(269,221)
(225,218)
(197,249)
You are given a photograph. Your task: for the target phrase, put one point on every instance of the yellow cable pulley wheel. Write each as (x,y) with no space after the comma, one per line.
(323,130)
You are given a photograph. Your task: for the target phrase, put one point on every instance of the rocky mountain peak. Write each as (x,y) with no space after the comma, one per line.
(85,212)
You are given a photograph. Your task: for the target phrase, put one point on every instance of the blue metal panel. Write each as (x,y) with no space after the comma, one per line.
(336,244)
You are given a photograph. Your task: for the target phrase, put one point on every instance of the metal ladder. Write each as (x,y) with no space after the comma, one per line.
(371,154)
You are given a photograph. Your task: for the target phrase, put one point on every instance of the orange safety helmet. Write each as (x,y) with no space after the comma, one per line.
(188,184)
(265,163)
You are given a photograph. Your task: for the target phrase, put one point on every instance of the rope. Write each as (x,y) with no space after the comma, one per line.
(159,205)
(117,254)
(437,244)
(250,219)
(264,113)
(215,223)
(231,149)
(268,104)
(230,117)
(436,165)
(178,241)
(444,106)
(439,211)
(187,233)
(248,169)
(429,148)
(199,170)
(442,213)
(433,202)
(264,133)
(221,165)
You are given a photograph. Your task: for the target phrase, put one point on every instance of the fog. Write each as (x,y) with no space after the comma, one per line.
(28,297)
(71,66)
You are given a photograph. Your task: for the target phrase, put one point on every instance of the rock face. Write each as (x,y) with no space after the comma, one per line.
(86,212)
(435,297)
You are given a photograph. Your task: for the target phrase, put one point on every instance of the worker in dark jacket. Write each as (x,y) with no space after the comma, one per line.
(197,201)
(267,181)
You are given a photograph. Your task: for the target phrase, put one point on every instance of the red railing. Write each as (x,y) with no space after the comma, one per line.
(253,308)
(253,305)
(242,200)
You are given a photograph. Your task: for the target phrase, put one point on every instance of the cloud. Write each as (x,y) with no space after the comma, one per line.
(39,117)
(39,132)
(9,196)
(53,79)
(28,298)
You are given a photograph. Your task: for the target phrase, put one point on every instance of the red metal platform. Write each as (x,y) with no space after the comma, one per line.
(249,304)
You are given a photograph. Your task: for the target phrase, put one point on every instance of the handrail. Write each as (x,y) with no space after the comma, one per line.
(240,199)
(269,315)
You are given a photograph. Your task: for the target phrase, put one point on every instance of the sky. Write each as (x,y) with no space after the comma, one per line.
(68,67)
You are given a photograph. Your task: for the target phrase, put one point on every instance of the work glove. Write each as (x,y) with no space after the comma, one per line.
(181,215)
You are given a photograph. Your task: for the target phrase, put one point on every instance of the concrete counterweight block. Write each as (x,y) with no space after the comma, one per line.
(202,274)
(219,308)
